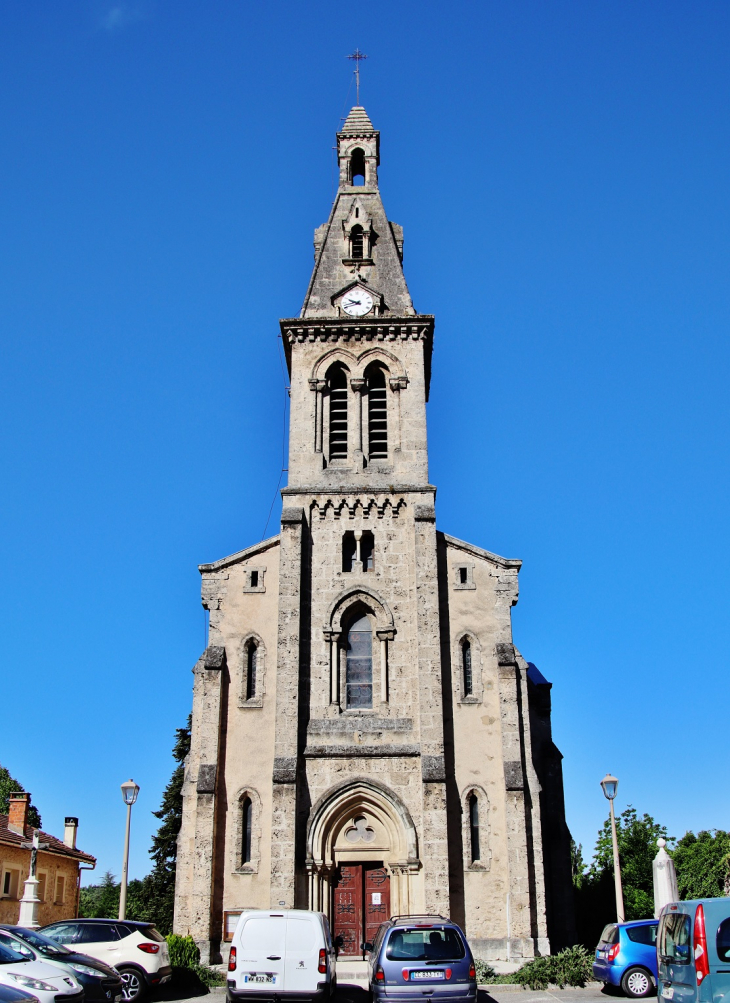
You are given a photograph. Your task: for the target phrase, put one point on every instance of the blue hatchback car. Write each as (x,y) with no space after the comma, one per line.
(417,956)
(626,957)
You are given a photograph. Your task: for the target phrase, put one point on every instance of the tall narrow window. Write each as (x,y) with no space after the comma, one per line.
(349,549)
(367,548)
(246,813)
(377,415)
(466,667)
(474,826)
(357,241)
(359,665)
(251,659)
(338,414)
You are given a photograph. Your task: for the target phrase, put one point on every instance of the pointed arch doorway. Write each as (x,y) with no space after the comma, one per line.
(362,861)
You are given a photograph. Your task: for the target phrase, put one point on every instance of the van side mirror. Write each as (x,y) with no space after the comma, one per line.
(366,946)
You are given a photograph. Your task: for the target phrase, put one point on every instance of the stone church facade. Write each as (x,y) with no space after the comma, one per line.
(366,738)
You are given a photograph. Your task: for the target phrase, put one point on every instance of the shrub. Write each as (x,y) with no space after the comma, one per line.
(571,967)
(485,972)
(183,951)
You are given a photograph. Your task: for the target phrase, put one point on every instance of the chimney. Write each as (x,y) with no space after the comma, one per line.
(69,832)
(18,814)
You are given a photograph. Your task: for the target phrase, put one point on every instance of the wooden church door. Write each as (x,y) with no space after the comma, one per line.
(361,904)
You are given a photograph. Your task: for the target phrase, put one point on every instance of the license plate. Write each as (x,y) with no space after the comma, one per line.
(260,977)
(668,994)
(434,973)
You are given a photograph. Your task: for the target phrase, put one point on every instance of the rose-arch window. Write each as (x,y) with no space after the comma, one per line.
(359,664)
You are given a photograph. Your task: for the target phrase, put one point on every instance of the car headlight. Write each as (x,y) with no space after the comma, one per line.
(86,970)
(29,983)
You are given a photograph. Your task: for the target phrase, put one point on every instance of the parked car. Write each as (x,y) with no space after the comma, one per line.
(413,956)
(137,950)
(280,954)
(693,949)
(46,982)
(626,957)
(100,982)
(8,995)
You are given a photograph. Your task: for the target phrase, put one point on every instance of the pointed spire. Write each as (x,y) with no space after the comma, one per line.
(357,122)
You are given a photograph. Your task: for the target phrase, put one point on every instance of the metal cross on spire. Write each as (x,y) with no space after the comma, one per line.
(357,56)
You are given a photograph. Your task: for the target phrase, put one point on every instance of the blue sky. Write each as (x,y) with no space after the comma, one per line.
(560,169)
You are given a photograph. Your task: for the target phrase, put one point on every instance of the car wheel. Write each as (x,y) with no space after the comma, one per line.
(636,982)
(133,985)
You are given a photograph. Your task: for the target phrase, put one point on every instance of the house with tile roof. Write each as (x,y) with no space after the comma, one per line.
(58,869)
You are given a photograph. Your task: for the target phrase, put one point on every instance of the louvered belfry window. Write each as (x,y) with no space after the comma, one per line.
(466,666)
(377,415)
(357,241)
(338,414)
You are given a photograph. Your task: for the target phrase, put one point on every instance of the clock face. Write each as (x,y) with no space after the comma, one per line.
(357,302)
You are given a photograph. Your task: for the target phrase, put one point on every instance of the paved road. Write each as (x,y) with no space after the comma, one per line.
(594,993)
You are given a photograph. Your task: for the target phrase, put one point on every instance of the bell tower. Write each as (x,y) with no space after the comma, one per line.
(359,355)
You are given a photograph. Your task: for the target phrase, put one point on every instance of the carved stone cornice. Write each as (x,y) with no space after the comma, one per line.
(326,329)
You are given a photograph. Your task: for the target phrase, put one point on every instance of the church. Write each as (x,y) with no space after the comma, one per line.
(367,740)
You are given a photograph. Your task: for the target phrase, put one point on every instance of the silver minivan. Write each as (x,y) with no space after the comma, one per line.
(285,954)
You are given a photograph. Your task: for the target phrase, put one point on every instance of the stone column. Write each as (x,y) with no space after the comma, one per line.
(397,383)
(384,636)
(332,638)
(318,386)
(434,851)
(358,386)
(286,749)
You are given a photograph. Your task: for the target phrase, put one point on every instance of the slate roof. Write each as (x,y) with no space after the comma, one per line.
(10,838)
(357,121)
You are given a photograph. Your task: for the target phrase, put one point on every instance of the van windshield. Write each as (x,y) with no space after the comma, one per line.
(674,938)
(425,945)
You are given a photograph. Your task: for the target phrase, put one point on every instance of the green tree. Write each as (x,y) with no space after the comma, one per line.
(703,864)
(577,863)
(100,901)
(9,786)
(637,848)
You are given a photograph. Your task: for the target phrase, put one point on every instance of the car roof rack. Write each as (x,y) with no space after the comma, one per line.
(420,915)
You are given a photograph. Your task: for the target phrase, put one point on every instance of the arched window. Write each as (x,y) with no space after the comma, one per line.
(377,415)
(357,167)
(251,659)
(474,827)
(357,241)
(246,819)
(338,413)
(466,667)
(359,664)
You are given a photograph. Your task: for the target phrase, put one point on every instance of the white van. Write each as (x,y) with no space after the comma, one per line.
(283,955)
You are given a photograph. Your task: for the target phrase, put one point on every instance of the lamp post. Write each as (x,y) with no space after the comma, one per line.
(130,790)
(610,786)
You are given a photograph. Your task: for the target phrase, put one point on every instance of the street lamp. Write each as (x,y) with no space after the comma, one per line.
(130,790)
(610,787)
